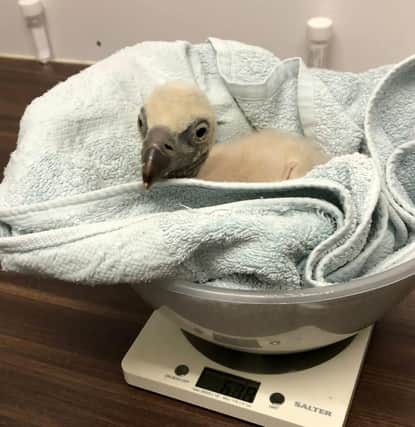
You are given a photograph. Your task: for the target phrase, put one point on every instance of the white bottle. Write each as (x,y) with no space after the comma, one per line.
(319,31)
(34,14)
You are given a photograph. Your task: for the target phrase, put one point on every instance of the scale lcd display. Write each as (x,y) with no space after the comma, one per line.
(228,385)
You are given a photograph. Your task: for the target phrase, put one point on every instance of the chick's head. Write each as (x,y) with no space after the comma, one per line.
(178,127)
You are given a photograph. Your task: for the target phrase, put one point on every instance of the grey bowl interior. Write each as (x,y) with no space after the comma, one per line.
(263,321)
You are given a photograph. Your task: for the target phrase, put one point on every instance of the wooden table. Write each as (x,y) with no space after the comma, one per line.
(61,344)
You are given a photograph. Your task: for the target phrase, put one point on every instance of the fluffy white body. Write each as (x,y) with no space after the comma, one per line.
(263,156)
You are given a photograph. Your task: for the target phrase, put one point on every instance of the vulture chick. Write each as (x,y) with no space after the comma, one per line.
(178,125)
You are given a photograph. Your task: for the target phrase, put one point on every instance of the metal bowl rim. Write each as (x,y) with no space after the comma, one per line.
(321,294)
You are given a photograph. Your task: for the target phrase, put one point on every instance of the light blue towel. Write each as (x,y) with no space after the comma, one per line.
(72,204)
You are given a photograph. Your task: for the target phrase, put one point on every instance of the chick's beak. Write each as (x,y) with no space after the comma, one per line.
(155,164)
(156,155)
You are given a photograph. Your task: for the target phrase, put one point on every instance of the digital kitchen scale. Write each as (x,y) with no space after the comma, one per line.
(310,389)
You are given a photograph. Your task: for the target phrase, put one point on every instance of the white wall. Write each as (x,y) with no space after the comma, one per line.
(367,32)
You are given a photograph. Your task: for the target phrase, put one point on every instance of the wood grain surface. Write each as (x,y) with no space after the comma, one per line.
(61,344)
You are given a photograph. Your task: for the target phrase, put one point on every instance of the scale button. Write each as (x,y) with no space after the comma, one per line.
(181,370)
(277,398)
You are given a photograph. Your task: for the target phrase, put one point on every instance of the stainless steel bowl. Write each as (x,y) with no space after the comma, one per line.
(258,321)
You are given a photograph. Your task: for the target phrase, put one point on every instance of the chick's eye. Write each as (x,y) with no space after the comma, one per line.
(201,131)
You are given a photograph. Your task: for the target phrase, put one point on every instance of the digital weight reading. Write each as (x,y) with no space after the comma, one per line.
(228,385)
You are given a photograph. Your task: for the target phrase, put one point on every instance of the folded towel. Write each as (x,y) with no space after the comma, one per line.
(72,204)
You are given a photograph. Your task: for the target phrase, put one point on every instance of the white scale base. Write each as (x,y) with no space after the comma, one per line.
(164,361)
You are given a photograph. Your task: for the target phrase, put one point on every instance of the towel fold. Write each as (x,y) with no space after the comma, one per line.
(72,204)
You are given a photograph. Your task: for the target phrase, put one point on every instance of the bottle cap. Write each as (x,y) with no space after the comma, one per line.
(319,29)
(31,8)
